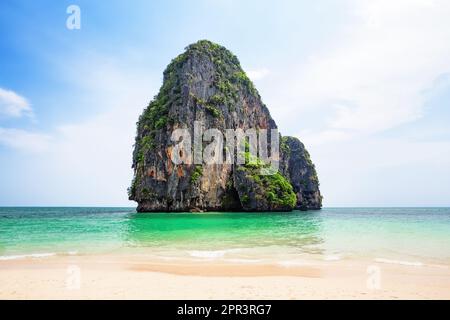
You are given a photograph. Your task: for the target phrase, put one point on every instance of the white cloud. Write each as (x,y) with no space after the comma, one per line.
(258,74)
(26,141)
(13,105)
(89,161)
(322,137)
(348,99)
(373,75)
(383,172)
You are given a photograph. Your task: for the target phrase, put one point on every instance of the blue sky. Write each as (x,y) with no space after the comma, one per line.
(365,84)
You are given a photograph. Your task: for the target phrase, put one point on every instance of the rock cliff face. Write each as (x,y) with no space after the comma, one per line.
(297,167)
(207,85)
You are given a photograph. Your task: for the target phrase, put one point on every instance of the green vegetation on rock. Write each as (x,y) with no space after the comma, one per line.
(284,147)
(216,113)
(198,172)
(209,106)
(132,190)
(229,76)
(216,100)
(277,190)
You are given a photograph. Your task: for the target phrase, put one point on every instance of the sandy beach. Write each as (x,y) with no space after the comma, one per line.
(138,277)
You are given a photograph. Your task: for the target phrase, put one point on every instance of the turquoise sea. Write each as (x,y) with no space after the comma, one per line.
(404,235)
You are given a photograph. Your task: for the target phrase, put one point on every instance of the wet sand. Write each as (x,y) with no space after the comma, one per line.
(140,277)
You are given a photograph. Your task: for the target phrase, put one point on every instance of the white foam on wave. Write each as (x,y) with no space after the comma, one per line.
(207,254)
(404,263)
(244,260)
(24,256)
(332,257)
(292,263)
(214,254)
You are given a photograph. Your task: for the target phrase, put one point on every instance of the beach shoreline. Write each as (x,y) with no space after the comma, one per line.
(122,276)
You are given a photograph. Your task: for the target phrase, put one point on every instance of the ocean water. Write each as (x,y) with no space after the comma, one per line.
(413,236)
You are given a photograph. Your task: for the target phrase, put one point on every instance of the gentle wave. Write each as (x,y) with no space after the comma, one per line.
(332,257)
(24,256)
(244,260)
(36,255)
(211,254)
(291,263)
(404,263)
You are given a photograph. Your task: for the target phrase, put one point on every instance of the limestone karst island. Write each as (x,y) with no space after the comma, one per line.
(206,84)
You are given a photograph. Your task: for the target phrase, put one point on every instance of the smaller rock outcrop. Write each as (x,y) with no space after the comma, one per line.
(297,167)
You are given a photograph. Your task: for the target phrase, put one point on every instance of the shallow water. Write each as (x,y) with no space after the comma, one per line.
(397,235)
